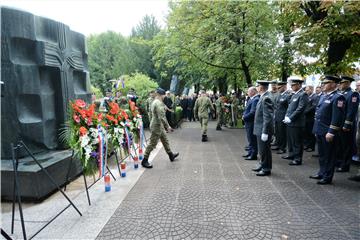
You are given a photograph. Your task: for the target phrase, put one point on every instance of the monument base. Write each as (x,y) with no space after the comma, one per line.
(34,185)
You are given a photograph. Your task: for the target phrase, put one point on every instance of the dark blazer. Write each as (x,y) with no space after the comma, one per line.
(352,104)
(296,109)
(311,107)
(282,103)
(264,116)
(249,112)
(329,114)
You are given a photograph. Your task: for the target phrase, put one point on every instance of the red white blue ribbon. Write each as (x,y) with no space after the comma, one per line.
(102,156)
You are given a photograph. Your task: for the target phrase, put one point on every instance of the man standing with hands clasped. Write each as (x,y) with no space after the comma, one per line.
(264,128)
(295,121)
(157,127)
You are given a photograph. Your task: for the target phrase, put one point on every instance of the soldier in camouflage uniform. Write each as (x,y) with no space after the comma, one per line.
(219,104)
(202,105)
(235,109)
(158,125)
(149,102)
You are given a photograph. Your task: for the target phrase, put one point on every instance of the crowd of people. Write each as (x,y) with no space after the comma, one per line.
(290,121)
(277,120)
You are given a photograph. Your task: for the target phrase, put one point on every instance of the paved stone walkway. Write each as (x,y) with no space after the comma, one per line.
(211,193)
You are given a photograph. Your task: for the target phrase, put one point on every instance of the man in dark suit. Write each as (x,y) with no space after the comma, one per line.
(248,117)
(346,134)
(264,129)
(309,137)
(295,121)
(282,103)
(329,117)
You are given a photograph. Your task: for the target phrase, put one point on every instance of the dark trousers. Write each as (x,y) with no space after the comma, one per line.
(309,137)
(295,142)
(253,148)
(280,132)
(345,149)
(327,157)
(265,153)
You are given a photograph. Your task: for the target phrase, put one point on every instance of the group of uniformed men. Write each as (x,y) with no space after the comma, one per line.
(292,118)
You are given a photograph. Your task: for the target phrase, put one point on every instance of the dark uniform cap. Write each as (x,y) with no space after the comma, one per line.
(330,78)
(263,82)
(273,82)
(160,91)
(295,80)
(281,83)
(346,78)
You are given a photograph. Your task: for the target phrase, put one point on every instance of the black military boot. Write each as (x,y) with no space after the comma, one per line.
(172,156)
(204,138)
(145,163)
(218,128)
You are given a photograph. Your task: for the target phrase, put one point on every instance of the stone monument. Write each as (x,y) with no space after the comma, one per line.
(43,67)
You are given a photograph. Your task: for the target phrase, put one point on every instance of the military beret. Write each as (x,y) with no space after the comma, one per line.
(263,82)
(346,78)
(330,78)
(160,91)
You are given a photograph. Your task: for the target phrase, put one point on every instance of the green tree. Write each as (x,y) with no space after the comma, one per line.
(141,83)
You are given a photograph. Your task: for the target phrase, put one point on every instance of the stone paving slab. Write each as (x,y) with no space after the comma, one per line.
(211,193)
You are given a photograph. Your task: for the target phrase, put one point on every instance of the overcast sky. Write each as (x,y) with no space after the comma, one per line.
(95,16)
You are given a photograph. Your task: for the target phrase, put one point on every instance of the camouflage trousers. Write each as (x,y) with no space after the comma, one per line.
(220,119)
(204,124)
(156,134)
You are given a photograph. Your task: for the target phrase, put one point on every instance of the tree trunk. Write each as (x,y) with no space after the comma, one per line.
(223,87)
(246,71)
(336,52)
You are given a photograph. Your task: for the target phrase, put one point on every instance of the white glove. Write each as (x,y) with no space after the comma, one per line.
(264,137)
(287,120)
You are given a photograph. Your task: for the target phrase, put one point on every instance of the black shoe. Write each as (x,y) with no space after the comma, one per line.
(342,169)
(172,156)
(263,173)
(145,163)
(288,157)
(258,169)
(246,155)
(315,155)
(251,158)
(218,128)
(324,182)
(294,163)
(204,138)
(280,151)
(355,178)
(316,176)
(275,148)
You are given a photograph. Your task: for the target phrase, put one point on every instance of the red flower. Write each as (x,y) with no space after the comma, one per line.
(100,117)
(114,108)
(109,117)
(80,103)
(82,131)
(124,114)
(89,122)
(76,118)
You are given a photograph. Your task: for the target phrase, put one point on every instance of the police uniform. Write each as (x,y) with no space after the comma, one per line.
(158,125)
(249,117)
(264,127)
(309,138)
(282,103)
(202,105)
(329,118)
(296,125)
(346,134)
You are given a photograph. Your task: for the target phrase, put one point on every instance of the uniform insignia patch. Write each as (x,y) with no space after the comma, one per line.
(354,99)
(340,103)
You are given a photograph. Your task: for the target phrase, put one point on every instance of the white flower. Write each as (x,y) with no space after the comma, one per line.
(84,140)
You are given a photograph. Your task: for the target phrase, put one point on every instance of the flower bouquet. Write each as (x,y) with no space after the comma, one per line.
(86,136)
